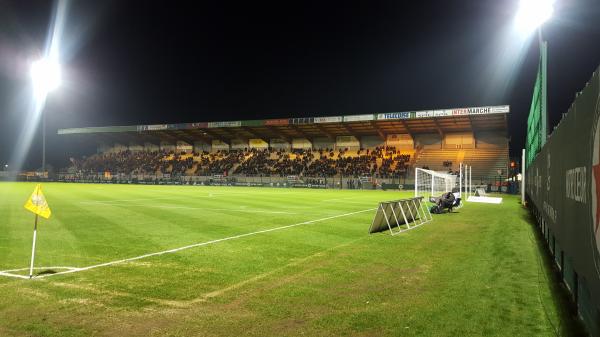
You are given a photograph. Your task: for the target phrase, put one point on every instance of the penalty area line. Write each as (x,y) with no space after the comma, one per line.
(13,275)
(174,250)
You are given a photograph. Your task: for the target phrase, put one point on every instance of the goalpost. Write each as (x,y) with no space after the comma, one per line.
(430,183)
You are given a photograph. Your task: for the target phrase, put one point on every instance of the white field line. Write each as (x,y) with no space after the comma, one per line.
(13,275)
(341,199)
(141,199)
(245,210)
(21,269)
(219,209)
(196,245)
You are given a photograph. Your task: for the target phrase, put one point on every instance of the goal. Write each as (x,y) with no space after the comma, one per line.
(430,183)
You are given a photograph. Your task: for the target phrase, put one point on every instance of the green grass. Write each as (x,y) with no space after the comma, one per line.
(476,272)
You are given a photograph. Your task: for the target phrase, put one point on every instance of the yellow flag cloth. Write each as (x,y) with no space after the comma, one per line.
(37,203)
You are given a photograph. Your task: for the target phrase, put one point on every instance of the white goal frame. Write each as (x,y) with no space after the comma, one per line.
(430,183)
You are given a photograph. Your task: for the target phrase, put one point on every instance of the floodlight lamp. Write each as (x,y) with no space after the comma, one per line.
(532,14)
(45,74)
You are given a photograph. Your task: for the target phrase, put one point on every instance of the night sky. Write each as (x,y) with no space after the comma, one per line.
(143,62)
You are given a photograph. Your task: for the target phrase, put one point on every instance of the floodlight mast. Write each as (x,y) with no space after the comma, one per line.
(532,15)
(46,77)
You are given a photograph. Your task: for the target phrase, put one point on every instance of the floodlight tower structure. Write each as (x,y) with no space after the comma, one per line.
(531,16)
(46,77)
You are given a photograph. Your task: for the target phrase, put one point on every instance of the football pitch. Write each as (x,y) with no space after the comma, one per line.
(134,260)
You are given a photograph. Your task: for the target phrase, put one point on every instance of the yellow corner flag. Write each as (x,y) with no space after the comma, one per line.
(37,203)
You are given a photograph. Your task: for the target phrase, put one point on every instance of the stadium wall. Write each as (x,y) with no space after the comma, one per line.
(563,190)
(489,139)
(238,144)
(279,144)
(202,146)
(459,140)
(371,142)
(320,143)
(464,140)
(400,141)
(429,141)
(151,147)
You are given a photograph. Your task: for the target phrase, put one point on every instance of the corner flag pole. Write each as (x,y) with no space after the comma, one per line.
(37,194)
(33,247)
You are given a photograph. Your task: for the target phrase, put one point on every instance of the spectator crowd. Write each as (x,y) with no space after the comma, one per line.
(378,162)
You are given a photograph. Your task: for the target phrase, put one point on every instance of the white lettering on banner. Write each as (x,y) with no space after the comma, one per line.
(550,211)
(441,113)
(500,109)
(481,110)
(576,184)
(472,111)
(357,118)
(425,114)
(157,127)
(394,115)
(335,119)
(230,124)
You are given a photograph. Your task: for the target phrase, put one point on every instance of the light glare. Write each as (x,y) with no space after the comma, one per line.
(45,74)
(532,14)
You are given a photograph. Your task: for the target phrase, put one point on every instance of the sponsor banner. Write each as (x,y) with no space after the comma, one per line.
(196,125)
(179,126)
(442,113)
(229,124)
(275,122)
(486,110)
(425,114)
(359,118)
(335,119)
(563,184)
(501,109)
(306,120)
(157,127)
(253,122)
(393,115)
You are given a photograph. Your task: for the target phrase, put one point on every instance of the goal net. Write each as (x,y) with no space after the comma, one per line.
(430,183)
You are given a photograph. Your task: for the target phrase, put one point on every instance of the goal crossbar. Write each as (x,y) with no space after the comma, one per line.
(430,183)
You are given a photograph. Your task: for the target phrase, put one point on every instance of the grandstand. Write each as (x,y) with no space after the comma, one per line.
(384,147)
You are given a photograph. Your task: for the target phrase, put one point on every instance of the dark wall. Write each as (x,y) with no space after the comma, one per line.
(563,187)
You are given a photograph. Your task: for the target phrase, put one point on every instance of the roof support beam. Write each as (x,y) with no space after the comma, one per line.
(381,134)
(230,133)
(408,130)
(279,133)
(301,132)
(254,134)
(201,135)
(472,127)
(186,139)
(437,127)
(325,132)
(215,136)
(350,130)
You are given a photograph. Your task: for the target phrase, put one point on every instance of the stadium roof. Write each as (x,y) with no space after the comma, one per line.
(476,119)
